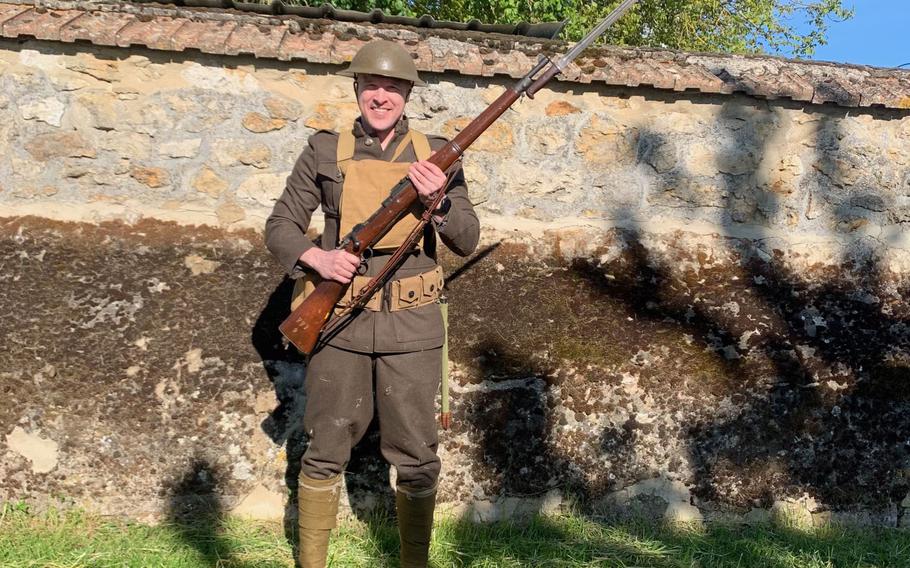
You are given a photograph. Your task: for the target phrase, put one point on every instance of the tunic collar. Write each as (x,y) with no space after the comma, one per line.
(400,128)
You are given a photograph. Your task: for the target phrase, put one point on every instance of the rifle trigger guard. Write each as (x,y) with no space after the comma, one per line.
(365,257)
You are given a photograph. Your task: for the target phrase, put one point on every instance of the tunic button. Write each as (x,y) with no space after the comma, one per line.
(369,142)
(411,294)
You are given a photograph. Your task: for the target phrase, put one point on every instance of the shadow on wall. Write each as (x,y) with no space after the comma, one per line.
(510,346)
(512,420)
(818,367)
(522,454)
(821,411)
(799,381)
(285,368)
(835,422)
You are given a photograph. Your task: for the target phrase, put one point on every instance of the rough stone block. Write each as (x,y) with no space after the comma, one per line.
(180,148)
(792,514)
(49,110)
(329,116)
(262,504)
(498,138)
(561,108)
(283,109)
(41,452)
(45,147)
(152,177)
(258,123)
(262,188)
(209,183)
(682,513)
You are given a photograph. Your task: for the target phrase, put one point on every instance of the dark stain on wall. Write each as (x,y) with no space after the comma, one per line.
(730,372)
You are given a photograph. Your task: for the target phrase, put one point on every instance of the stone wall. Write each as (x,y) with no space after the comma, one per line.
(688,303)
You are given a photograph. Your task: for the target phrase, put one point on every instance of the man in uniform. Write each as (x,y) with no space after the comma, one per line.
(389,355)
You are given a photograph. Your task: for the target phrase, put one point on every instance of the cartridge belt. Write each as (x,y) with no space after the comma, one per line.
(404,294)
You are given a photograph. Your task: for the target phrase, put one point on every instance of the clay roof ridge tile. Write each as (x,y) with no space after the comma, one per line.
(68,25)
(129,22)
(13,17)
(54,34)
(172,40)
(468,52)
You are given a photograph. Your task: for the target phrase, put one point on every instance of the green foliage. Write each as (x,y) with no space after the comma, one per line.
(742,26)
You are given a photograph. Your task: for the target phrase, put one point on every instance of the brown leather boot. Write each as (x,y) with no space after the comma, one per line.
(317,506)
(415,525)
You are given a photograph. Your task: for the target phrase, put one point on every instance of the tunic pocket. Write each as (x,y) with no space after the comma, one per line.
(420,326)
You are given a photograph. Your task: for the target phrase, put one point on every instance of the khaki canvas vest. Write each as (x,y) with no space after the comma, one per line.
(366,185)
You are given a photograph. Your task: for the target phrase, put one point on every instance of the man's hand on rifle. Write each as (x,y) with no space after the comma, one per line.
(428,179)
(338,265)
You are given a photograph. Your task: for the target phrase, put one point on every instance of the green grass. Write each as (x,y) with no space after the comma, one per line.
(77,540)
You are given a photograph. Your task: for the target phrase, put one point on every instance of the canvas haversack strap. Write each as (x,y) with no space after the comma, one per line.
(347,143)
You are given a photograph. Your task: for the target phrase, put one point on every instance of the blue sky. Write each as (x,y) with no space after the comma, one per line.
(879,34)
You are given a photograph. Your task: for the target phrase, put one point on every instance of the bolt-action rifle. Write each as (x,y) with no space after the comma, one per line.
(306,322)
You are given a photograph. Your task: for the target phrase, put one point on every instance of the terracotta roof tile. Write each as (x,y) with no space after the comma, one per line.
(10,11)
(311,46)
(345,47)
(831,90)
(206,36)
(156,33)
(653,75)
(28,22)
(793,85)
(259,40)
(472,53)
(886,91)
(700,79)
(95,27)
(49,23)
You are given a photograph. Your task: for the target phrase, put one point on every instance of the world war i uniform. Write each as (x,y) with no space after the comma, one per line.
(389,355)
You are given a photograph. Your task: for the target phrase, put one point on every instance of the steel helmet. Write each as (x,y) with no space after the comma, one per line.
(385,58)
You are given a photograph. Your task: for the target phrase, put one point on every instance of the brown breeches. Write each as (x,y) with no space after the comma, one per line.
(342,388)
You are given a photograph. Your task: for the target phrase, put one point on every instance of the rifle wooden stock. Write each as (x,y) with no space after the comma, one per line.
(302,328)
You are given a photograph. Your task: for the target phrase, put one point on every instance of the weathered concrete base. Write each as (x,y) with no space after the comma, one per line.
(677,375)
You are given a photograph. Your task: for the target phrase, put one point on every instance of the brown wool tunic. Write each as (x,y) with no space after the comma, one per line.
(317,181)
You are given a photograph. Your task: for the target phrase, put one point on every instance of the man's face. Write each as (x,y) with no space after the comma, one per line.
(381,100)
